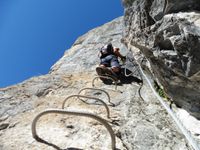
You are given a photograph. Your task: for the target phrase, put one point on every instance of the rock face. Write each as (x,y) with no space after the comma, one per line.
(137,118)
(168,33)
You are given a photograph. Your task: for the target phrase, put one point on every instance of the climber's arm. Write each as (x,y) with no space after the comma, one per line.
(117,53)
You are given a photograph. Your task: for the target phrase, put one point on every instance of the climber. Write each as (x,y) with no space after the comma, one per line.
(109,63)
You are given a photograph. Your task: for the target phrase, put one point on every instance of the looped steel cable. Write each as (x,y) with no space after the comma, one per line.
(188,136)
(105,77)
(97,90)
(125,70)
(75,113)
(131,60)
(89,97)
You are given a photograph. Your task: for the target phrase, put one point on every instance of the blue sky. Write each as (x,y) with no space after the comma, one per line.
(35,33)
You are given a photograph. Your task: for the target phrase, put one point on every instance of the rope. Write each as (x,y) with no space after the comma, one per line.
(171,113)
(104,122)
(75,113)
(132,60)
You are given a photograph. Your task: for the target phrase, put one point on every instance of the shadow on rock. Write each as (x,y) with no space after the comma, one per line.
(128,79)
(123,78)
(55,146)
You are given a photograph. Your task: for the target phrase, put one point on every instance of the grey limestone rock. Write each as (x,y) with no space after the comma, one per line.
(168,34)
(139,121)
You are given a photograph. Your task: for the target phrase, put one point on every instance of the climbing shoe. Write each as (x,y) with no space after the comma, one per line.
(103,71)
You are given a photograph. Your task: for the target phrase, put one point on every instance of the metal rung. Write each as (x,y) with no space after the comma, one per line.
(95,89)
(75,113)
(83,96)
(105,77)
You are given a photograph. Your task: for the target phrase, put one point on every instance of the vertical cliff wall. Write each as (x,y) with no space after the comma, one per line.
(138,119)
(167,32)
(138,122)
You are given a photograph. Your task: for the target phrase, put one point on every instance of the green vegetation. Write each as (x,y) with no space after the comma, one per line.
(160,91)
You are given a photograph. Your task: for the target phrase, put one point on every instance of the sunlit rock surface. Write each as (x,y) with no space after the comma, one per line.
(138,122)
(167,32)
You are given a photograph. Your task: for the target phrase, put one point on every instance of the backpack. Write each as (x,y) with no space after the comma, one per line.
(107,50)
